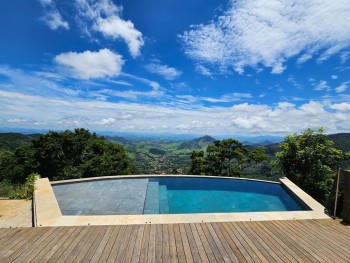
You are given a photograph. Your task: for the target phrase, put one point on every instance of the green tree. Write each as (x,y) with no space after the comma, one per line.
(65,155)
(310,160)
(225,158)
(197,163)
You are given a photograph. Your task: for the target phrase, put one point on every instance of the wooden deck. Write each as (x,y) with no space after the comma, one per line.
(15,213)
(266,241)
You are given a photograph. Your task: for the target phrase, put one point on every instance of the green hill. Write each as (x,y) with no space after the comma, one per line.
(10,141)
(196,144)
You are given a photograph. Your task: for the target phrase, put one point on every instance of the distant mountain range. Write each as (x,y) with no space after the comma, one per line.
(10,141)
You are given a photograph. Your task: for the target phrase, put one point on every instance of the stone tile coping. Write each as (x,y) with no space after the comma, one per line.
(48,212)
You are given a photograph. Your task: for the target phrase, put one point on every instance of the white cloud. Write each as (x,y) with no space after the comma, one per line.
(334,76)
(342,107)
(107,122)
(322,85)
(251,33)
(52,16)
(165,71)
(23,111)
(343,87)
(203,70)
(226,98)
(105,18)
(344,56)
(88,64)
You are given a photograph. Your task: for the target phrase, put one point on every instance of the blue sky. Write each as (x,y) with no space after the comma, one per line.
(245,67)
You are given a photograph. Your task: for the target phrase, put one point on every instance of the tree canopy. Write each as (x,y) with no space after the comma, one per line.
(225,158)
(65,155)
(310,161)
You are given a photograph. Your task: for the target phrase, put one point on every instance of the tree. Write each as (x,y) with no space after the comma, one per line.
(65,155)
(310,160)
(197,163)
(225,158)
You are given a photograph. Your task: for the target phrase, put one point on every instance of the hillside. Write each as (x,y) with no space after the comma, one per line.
(10,141)
(196,144)
(341,141)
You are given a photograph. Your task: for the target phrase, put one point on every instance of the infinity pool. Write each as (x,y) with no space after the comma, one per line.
(172,195)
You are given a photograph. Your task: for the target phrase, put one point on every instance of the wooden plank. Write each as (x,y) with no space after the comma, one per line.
(172,244)
(237,240)
(144,246)
(268,253)
(64,235)
(342,231)
(214,249)
(91,245)
(300,244)
(283,251)
(198,244)
(185,243)
(122,245)
(95,244)
(179,246)
(224,249)
(248,244)
(159,244)
(165,244)
(34,250)
(67,252)
(9,248)
(8,239)
(131,245)
(311,244)
(85,239)
(315,241)
(192,243)
(22,246)
(299,253)
(152,245)
(113,255)
(94,253)
(205,243)
(230,247)
(107,250)
(138,244)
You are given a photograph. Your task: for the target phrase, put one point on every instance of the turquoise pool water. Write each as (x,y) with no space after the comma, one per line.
(209,195)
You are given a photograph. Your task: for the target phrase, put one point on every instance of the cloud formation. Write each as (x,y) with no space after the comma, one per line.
(165,71)
(255,33)
(105,17)
(89,64)
(52,16)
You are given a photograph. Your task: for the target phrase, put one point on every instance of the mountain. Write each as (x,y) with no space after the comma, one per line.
(341,141)
(10,141)
(197,144)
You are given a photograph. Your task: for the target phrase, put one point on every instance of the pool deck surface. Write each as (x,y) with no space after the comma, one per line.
(15,213)
(323,240)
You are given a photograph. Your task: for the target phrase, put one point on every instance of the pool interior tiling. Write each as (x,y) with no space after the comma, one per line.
(105,197)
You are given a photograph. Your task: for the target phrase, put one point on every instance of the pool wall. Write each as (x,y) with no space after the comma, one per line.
(48,213)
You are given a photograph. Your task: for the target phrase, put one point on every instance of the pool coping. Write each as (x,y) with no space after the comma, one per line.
(48,213)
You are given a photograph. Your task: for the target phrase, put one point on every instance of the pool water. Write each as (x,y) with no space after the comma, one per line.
(172,195)
(208,195)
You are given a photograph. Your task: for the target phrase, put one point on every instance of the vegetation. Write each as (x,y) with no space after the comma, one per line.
(64,155)
(225,158)
(19,191)
(310,161)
